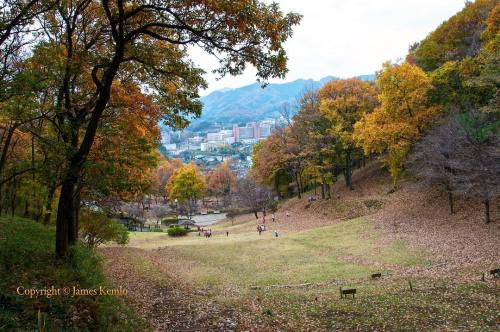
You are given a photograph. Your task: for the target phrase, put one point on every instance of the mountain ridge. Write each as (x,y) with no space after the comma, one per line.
(252,102)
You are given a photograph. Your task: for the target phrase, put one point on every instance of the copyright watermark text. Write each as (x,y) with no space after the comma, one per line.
(73,291)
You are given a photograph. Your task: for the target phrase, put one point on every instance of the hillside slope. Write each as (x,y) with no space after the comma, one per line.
(412,213)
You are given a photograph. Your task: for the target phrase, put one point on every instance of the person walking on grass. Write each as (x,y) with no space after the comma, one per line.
(259,229)
(276,234)
(273,217)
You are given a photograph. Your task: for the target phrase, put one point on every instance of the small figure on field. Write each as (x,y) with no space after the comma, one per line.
(273,217)
(276,234)
(227,233)
(287,214)
(259,229)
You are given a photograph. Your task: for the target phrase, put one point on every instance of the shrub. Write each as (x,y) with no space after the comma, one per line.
(96,228)
(177,231)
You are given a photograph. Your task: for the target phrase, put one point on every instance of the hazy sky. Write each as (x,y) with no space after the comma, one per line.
(346,38)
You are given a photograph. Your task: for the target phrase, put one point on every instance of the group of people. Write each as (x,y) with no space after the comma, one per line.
(262,227)
(206,233)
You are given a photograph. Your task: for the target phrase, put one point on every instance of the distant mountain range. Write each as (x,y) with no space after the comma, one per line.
(252,103)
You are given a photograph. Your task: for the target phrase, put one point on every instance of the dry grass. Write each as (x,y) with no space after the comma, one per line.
(407,235)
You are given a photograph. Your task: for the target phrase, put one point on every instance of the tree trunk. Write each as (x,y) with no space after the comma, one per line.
(65,216)
(48,206)
(298,184)
(6,145)
(323,189)
(450,202)
(65,213)
(487,211)
(348,169)
(73,226)
(26,213)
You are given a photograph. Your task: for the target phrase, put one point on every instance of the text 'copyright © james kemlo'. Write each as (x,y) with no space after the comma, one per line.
(70,291)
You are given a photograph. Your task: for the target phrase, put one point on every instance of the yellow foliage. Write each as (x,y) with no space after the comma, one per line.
(403,114)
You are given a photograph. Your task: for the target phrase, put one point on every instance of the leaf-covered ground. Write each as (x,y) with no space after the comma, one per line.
(261,283)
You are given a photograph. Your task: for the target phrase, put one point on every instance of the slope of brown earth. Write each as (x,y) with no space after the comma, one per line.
(412,213)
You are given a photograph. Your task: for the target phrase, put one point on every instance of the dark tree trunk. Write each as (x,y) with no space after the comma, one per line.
(451,202)
(26,213)
(65,216)
(65,212)
(13,197)
(328,192)
(297,181)
(73,226)
(348,169)
(323,189)
(48,206)
(487,211)
(6,145)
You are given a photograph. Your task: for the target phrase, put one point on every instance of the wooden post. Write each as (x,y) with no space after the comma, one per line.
(341,296)
(411,286)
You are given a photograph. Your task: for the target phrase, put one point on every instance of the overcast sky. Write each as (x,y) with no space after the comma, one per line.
(345,38)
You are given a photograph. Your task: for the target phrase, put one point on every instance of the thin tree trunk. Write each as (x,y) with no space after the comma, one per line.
(487,211)
(450,202)
(298,184)
(6,145)
(73,226)
(348,169)
(48,206)
(13,197)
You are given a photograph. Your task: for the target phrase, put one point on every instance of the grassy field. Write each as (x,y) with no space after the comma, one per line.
(346,250)
(294,280)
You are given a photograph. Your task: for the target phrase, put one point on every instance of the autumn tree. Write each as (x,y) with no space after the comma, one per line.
(402,116)
(253,196)
(343,103)
(457,38)
(186,186)
(93,45)
(478,145)
(221,181)
(435,159)
(164,171)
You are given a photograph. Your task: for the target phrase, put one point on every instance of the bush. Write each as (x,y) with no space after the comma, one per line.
(177,231)
(96,228)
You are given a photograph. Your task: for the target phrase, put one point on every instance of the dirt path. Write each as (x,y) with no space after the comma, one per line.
(152,294)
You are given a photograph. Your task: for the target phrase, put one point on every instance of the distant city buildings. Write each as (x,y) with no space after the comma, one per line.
(206,148)
(253,130)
